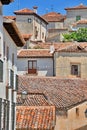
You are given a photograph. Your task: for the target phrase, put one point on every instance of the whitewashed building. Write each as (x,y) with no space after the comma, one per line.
(10,39)
(37,62)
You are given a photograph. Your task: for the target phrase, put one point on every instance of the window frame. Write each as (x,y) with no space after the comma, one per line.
(32,69)
(78,17)
(73,71)
(1,70)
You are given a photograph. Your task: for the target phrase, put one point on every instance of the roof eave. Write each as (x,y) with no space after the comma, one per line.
(14,33)
(6,2)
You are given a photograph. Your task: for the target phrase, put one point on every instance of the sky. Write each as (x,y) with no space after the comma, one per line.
(44,6)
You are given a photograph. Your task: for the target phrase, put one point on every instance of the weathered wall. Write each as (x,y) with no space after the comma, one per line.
(63,63)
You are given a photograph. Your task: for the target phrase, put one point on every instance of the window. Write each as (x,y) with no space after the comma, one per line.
(1,71)
(13,116)
(32,66)
(7,53)
(12,78)
(77,111)
(42,35)
(12,59)
(36,32)
(75,69)
(4,48)
(78,18)
(29,20)
(16,87)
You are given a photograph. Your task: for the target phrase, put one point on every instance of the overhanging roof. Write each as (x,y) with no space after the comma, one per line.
(6,2)
(13,31)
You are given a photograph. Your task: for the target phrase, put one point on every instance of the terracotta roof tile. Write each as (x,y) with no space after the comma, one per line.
(63,93)
(10,17)
(35,117)
(26,36)
(24,11)
(54,17)
(27,11)
(33,99)
(34,53)
(78,47)
(82,21)
(81,6)
(56,45)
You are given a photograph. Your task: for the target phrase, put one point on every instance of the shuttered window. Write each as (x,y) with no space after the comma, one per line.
(16,82)
(13,116)
(1,71)
(12,78)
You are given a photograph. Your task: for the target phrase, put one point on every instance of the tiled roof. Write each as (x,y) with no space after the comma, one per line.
(54,17)
(33,118)
(63,93)
(82,22)
(81,6)
(33,99)
(26,53)
(26,11)
(78,47)
(10,17)
(56,45)
(26,36)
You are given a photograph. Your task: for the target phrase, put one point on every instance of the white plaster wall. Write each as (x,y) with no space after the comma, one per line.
(44,66)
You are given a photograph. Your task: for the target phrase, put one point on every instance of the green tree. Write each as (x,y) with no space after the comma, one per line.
(80,35)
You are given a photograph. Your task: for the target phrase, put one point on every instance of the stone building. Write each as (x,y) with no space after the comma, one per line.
(30,23)
(71,61)
(75,14)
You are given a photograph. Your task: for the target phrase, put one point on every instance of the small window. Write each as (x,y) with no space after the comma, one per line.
(42,35)
(77,111)
(4,48)
(32,66)
(78,18)
(75,69)
(1,71)
(29,20)
(7,53)
(12,59)
(12,79)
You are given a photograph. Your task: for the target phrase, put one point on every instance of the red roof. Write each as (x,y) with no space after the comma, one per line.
(81,6)
(10,17)
(54,17)
(31,118)
(26,11)
(33,99)
(26,53)
(26,36)
(63,93)
(75,47)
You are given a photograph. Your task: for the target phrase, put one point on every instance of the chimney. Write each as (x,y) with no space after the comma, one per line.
(52,49)
(35,9)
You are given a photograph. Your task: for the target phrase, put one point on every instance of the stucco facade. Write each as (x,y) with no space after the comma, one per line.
(64,60)
(72,15)
(32,23)
(73,119)
(44,66)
